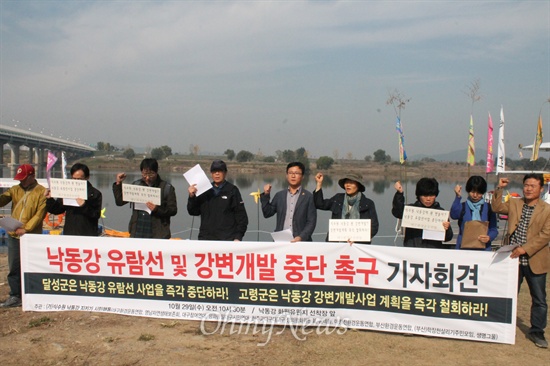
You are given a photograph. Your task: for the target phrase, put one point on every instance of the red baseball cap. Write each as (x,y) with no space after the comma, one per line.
(24,171)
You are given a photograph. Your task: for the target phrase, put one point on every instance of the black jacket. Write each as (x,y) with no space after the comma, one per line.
(413,237)
(367,209)
(223,216)
(81,220)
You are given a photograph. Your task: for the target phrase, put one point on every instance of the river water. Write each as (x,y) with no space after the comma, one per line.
(185,226)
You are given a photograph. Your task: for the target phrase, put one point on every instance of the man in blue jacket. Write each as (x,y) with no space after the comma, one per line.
(294,206)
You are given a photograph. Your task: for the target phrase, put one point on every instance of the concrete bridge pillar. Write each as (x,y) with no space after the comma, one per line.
(37,156)
(14,154)
(2,153)
(31,155)
(41,157)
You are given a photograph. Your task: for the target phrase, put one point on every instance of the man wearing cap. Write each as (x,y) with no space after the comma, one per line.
(28,205)
(154,223)
(222,211)
(350,205)
(294,206)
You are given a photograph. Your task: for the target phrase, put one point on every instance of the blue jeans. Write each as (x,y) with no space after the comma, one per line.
(14,265)
(537,288)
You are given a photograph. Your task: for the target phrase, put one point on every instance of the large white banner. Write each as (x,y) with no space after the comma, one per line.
(444,293)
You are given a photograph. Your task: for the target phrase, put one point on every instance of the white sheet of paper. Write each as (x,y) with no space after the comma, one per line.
(282,236)
(433,235)
(354,230)
(70,202)
(10,224)
(507,248)
(142,207)
(197,176)
(140,194)
(68,188)
(424,218)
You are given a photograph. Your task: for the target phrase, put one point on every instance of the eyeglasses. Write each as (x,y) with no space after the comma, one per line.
(294,173)
(148,174)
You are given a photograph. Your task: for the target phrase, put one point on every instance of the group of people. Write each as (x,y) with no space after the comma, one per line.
(223,216)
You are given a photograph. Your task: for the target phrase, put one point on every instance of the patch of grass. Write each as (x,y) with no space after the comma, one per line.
(146,337)
(39,322)
(110,339)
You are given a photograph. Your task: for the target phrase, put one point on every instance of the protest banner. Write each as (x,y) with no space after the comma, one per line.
(468,295)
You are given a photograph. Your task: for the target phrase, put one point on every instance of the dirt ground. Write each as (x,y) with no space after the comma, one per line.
(83,338)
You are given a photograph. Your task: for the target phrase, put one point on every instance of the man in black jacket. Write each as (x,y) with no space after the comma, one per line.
(155,224)
(222,211)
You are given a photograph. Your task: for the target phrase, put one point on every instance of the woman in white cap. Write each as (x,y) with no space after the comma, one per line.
(352,204)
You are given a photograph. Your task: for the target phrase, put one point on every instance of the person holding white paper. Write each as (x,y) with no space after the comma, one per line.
(352,204)
(221,208)
(294,206)
(427,190)
(82,219)
(28,206)
(142,223)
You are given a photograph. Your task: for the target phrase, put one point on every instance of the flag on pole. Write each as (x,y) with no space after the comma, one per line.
(471,148)
(501,153)
(490,161)
(538,141)
(52,159)
(63,165)
(402,152)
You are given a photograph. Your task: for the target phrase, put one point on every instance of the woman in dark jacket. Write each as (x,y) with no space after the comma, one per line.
(82,219)
(349,205)
(427,190)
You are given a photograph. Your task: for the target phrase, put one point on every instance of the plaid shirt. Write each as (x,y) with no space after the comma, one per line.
(520,234)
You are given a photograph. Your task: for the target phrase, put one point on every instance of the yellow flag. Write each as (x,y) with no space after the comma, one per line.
(256,195)
(538,141)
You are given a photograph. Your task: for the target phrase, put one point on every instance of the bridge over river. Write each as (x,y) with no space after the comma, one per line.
(37,145)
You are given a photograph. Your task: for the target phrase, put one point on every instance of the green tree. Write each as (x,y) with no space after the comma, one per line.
(381,157)
(167,150)
(288,156)
(324,162)
(129,153)
(368,158)
(101,146)
(157,153)
(230,154)
(243,156)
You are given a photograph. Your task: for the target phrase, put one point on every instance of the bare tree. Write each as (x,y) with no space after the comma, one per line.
(398,101)
(473,92)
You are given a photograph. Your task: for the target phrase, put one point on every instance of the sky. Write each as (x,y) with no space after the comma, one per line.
(264,76)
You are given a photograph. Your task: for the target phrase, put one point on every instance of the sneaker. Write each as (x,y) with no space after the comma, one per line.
(11,302)
(538,339)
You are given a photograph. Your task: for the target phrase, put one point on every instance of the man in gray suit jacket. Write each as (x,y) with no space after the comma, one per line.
(294,206)
(529,230)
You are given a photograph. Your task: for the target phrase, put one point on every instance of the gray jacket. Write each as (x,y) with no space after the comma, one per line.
(305,216)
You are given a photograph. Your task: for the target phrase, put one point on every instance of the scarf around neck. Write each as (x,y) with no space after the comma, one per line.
(351,206)
(476,208)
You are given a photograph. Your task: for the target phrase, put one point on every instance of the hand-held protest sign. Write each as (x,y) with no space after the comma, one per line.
(69,188)
(344,230)
(140,194)
(424,218)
